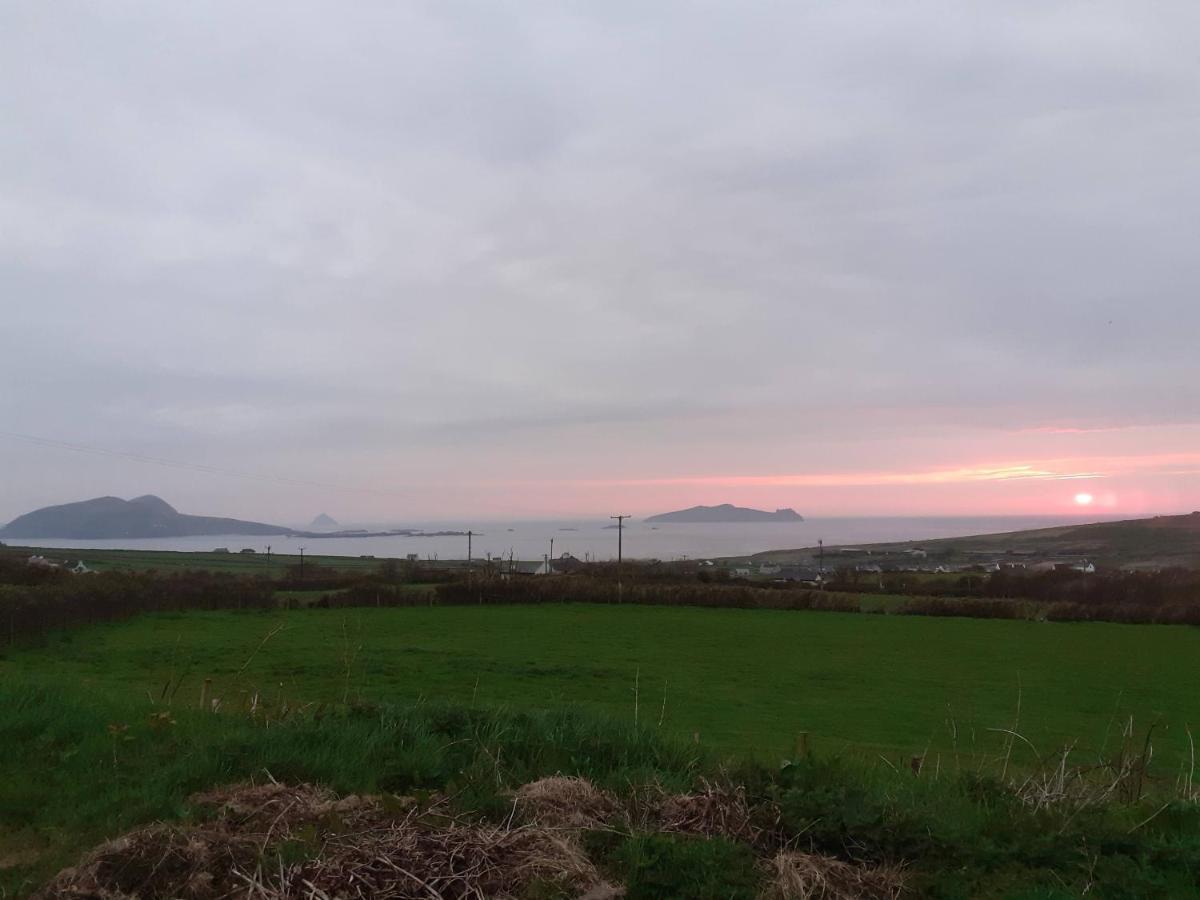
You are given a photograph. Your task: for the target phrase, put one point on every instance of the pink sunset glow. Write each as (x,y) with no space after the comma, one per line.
(589,261)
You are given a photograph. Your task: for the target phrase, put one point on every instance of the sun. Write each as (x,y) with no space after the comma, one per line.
(1084,499)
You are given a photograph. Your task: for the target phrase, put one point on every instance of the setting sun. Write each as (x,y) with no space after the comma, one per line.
(1083,499)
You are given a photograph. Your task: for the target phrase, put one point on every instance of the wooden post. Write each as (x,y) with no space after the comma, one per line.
(204,693)
(801,744)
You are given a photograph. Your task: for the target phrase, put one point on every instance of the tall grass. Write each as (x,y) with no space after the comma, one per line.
(77,767)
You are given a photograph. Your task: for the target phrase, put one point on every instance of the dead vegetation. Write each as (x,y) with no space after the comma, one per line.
(563,801)
(277,842)
(715,810)
(810,876)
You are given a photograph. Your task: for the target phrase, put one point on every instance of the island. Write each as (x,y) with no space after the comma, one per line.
(727,513)
(152,517)
(112,517)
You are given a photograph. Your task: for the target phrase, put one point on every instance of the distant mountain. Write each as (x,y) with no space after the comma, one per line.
(323,521)
(112,517)
(727,512)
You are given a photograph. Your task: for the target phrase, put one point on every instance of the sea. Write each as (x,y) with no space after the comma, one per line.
(593,539)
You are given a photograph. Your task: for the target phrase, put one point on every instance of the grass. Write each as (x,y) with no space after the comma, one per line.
(233,563)
(747,682)
(79,766)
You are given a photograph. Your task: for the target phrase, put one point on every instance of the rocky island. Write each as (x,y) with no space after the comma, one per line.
(323,522)
(727,513)
(112,517)
(152,517)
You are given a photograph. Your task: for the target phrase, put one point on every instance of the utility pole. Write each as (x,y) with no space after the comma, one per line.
(551,554)
(620,535)
(301,563)
(821,564)
(470,534)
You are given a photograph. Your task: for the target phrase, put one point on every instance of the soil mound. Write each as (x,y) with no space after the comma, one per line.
(281,842)
(562,801)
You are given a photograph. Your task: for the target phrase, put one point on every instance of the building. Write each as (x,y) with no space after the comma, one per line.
(560,566)
(801,574)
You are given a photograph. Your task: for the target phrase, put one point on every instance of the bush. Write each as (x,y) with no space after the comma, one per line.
(27,612)
(974,609)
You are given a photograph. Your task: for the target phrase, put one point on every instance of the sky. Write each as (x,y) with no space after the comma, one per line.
(427,261)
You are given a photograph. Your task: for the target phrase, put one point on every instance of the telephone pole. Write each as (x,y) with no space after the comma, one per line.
(551,555)
(301,563)
(620,535)
(470,534)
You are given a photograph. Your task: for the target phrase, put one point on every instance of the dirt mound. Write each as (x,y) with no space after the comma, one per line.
(160,861)
(561,801)
(715,811)
(251,807)
(456,862)
(279,842)
(809,876)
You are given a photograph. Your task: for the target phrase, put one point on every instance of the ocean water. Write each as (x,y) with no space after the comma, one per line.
(593,539)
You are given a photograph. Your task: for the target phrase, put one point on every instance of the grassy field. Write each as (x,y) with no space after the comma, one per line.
(234,563)
(475,700)
(79,767)
(745,681)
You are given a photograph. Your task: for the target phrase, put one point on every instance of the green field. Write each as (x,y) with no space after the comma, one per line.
(234,563)
(745,681)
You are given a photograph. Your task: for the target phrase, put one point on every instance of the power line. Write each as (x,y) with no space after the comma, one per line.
(620,536)
(186,466)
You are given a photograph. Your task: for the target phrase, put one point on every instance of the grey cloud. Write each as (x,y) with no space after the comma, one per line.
(388,226)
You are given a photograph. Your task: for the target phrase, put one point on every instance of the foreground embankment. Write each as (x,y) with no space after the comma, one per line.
(458,797)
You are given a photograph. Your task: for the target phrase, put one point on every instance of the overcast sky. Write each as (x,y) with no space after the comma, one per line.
(403,261)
